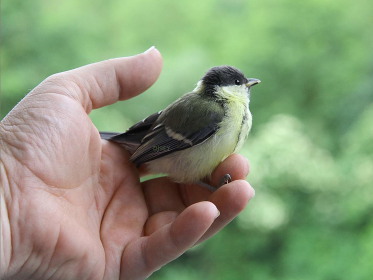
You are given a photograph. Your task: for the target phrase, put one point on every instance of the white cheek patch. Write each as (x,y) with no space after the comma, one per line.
(240,91)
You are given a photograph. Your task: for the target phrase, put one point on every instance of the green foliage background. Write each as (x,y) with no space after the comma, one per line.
(311,147)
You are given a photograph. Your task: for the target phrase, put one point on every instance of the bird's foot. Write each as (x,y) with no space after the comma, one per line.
(207,186)
(227,178)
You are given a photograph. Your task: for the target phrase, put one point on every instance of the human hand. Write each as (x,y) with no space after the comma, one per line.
(72,206)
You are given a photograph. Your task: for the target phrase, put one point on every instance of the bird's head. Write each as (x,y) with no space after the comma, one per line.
(225,80)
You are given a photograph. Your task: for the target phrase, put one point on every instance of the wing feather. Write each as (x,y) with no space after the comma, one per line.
(180,126)
(169,133)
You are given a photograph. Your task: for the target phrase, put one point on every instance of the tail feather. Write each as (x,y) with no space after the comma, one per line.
(122,139)
(108,135)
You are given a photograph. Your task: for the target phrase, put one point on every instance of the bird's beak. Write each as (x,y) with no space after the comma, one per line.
(252,82)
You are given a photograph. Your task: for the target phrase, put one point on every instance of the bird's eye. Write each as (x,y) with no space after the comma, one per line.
(237,82)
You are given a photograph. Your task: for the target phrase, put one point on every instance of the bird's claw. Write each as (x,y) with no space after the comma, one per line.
(227,178)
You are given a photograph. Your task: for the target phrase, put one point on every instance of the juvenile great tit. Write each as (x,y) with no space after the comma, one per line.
(188,139)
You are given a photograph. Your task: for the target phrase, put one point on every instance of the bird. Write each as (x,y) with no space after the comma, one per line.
(190,137)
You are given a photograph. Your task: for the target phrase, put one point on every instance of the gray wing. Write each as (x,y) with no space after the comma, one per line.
(179,127)
(131,139)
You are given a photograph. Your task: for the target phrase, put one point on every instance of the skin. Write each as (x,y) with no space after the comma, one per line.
(72,206)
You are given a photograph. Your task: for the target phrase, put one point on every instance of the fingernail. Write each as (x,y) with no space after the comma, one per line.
(217,213)
(150,49)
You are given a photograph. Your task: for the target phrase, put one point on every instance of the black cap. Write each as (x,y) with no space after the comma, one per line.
(223,76)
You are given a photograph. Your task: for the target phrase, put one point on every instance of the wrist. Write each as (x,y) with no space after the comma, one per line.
(5,236)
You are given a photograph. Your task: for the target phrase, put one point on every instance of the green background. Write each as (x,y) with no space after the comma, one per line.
(311,146)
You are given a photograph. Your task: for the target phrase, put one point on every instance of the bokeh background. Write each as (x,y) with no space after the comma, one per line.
(311,146)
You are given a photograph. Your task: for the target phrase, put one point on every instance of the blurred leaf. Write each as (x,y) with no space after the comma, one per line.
(310,148)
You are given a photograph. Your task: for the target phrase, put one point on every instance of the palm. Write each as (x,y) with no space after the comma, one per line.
(83,198)
(93,189)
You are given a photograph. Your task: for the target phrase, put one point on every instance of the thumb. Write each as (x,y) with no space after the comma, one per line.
(104,83)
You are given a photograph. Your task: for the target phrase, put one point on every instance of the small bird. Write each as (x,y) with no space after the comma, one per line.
(188,139)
